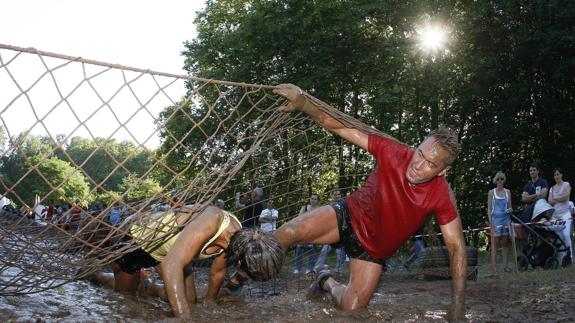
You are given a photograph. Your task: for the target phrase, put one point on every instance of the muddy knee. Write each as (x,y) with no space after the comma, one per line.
(353,302)
(288,234)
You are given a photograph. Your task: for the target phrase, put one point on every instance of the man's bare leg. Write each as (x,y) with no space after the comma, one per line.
(363,279)
(318,226)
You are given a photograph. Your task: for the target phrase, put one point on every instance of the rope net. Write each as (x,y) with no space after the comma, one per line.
(88,149)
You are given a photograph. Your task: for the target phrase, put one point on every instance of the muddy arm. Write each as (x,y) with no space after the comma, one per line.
(186,247)
(453,237)
(298,101)
(217,273)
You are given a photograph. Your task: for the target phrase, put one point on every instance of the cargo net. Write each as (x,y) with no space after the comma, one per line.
(89,149)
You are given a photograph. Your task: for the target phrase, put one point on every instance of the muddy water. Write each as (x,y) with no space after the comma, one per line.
(536,296)
(80,301)
(283,300)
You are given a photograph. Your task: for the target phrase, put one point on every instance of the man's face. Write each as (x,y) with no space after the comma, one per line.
(533,172)
(270,204)
(429,161)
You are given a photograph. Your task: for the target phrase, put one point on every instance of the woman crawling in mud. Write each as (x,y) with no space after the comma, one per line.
(214,233)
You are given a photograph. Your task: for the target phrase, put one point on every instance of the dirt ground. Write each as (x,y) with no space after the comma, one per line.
(536,295)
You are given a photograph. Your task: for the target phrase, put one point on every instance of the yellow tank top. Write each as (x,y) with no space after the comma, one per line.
(155,239)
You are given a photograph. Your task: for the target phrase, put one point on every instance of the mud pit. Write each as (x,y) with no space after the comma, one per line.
(538,295)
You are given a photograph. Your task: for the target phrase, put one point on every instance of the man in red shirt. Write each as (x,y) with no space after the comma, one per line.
(404,188)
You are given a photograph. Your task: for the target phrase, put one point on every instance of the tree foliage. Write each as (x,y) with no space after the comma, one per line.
(29,170)
(505,85)
(136,189)
(83,169)
(107,162)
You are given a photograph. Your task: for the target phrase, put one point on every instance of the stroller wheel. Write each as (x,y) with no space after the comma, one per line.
(551,263)
(522,262)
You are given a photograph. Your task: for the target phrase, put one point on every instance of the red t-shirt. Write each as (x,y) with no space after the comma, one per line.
(387,209)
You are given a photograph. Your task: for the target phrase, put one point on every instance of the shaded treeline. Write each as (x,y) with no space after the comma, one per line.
(504,82)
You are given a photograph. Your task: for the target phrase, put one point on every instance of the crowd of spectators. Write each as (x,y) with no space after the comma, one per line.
(499,210)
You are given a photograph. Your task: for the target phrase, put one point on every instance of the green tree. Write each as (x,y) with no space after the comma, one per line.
(135,189)
(16,164)
(59,181)
(505,84)
(50,179)
(106,162)
(516,104)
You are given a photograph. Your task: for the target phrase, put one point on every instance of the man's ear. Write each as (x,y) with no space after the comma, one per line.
(444,171)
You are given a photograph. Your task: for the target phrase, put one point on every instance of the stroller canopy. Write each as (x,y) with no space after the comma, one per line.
(542,209)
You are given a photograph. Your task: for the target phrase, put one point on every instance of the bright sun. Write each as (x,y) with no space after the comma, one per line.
(432,38)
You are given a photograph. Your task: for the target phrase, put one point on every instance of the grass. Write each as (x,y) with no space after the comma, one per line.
(538,273)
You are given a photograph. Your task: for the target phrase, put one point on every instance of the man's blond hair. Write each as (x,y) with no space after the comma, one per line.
(448,141)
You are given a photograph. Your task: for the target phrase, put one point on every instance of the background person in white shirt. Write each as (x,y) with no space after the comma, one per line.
(269,217)
(559,198)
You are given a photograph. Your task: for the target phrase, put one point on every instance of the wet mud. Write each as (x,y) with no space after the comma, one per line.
(537,295)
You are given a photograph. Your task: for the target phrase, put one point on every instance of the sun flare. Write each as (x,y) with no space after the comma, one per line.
(432,38)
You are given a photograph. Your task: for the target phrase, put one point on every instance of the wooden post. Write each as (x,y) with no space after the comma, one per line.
(512,231)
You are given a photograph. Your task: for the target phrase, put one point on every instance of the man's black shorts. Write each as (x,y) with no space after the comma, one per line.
(347,237)
(133,261)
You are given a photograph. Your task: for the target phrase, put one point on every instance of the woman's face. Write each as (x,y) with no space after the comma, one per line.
(557,176)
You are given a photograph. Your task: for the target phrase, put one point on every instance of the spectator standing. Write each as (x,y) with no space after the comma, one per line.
(340,251)
(58,214)
(252,207)
(535,189)
(559,199)
(268,217)
(50,210)
(76,214)
(499,208)
(115,215)
(308,248)
(418,247)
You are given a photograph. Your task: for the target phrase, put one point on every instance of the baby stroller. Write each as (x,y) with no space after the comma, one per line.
(543,243)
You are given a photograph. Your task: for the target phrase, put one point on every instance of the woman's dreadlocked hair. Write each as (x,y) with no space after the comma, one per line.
(259,254)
